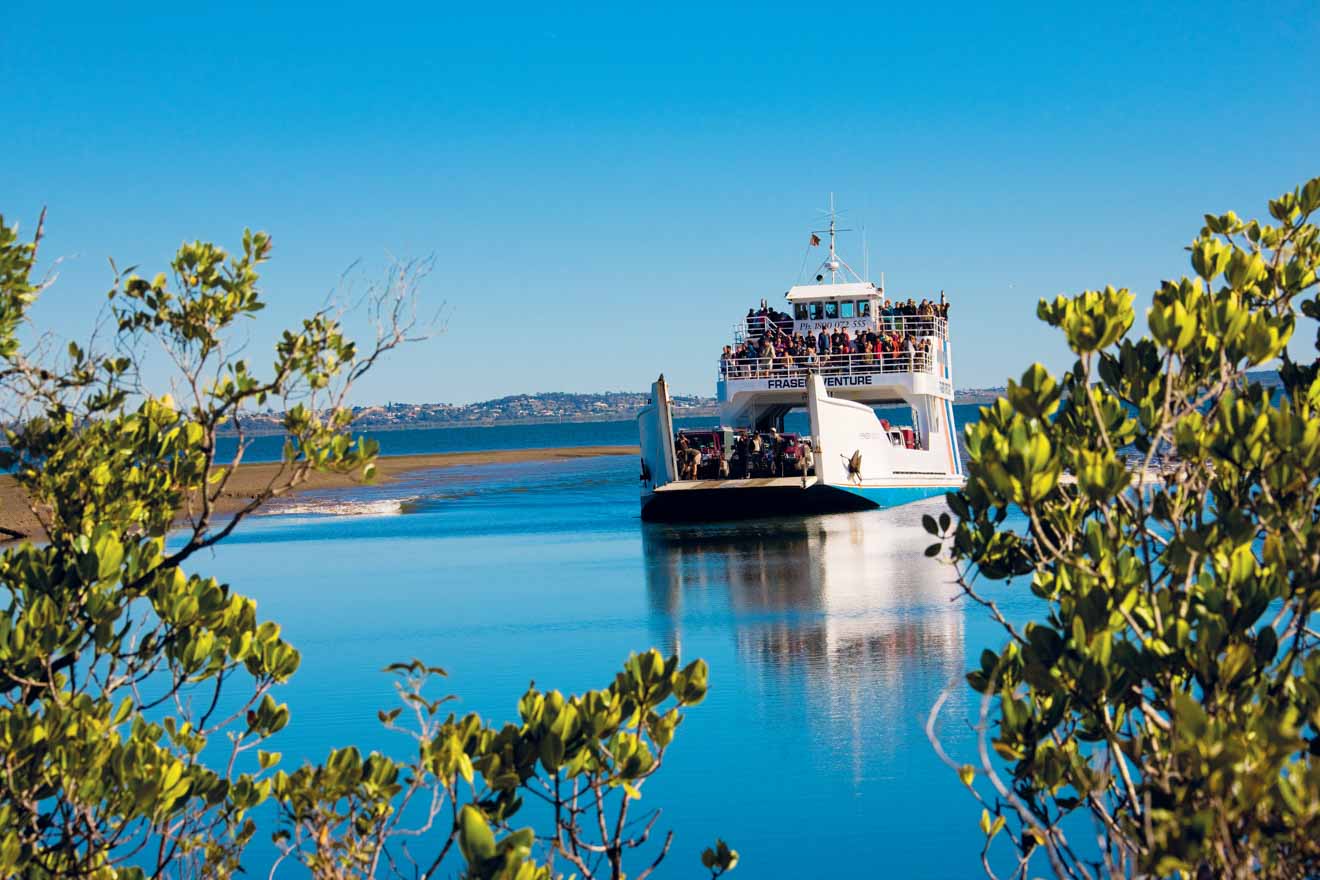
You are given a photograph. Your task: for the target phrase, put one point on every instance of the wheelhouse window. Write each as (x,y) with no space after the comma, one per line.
(846,309)
(831,311)
(799,311)
(863,308)
(814,309)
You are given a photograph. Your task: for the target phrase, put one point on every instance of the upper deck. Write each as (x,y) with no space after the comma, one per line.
(864,345)
(751,329)
(879,344)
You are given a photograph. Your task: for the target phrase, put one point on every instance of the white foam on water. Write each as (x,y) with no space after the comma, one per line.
(336,507)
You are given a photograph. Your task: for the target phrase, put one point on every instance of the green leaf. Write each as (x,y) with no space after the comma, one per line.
(475,839)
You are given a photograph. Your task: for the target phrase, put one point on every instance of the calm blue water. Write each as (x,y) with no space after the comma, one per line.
(828,638)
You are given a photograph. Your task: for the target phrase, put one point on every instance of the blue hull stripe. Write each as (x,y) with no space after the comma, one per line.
(892,496)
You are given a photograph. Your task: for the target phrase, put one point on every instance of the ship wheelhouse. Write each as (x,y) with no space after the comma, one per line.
(819,307)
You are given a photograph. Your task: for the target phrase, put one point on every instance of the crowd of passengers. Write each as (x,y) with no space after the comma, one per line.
(773,346)
(701,455)
(886,351)
(897,315)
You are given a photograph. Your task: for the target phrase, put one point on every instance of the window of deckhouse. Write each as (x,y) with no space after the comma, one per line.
(815,308)
(799,311)
(831,311)
(846,309)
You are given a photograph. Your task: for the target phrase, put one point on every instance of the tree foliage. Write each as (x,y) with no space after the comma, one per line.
(137,695)
(1165,700)
(583,758)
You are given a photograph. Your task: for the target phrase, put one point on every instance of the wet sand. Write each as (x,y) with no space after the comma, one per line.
(17,521)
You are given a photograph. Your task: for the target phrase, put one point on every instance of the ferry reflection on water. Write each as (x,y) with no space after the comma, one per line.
(846,605)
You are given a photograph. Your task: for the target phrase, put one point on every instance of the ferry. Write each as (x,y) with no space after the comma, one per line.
(851,457)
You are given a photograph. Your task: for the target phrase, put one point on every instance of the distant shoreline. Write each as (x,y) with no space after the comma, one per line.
(20,523)
(971,397)
(358,427)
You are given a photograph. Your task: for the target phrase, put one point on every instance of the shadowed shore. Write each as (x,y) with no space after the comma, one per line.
(17,520)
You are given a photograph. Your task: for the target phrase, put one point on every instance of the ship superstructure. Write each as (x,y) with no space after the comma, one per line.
(843,353)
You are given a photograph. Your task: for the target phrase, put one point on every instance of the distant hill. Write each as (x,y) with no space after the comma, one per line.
(516,409)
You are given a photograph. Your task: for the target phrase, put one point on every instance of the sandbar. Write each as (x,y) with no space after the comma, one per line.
(18,522)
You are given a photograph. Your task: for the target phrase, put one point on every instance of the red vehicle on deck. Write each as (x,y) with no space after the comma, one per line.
(709,446)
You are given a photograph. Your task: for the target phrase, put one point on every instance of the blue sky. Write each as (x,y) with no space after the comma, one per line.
(605,190)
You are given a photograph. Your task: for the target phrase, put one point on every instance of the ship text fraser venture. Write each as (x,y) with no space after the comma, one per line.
(840,351)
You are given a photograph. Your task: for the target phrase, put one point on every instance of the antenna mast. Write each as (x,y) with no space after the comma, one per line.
(833,263)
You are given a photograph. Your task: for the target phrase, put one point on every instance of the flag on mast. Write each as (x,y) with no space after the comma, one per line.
(815,239)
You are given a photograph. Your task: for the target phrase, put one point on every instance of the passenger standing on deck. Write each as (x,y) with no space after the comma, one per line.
(755,458)
(744,455)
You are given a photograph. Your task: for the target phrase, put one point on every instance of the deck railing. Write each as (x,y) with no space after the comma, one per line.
(827,365)
(756,326)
